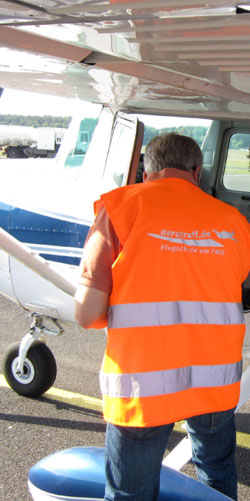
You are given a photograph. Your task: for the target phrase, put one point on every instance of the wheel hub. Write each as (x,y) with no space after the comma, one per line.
(28,373)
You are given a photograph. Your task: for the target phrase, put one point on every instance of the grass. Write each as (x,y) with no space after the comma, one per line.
(237,162)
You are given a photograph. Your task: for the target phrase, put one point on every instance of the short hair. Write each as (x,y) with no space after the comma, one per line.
(172,150)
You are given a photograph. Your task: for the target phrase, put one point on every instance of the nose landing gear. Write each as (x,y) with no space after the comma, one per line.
(30,367)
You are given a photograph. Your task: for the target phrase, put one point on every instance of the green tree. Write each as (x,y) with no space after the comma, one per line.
(35,121)
(196,132)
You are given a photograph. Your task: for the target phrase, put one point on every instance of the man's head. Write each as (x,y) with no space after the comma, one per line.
(172,150)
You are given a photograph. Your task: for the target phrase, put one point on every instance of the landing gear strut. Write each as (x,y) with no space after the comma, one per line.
(30,367)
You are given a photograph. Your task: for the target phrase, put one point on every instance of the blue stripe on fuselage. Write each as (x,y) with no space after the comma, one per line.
(34,228)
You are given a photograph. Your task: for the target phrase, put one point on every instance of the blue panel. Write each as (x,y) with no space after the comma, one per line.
(79,472)
(73,261)
(32,228)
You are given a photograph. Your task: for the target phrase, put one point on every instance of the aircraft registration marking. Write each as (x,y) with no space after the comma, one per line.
(78,399)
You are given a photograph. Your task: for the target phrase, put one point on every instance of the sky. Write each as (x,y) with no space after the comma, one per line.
(27,103)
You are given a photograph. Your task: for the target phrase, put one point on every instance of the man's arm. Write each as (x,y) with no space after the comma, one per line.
(95,283)
(91,307)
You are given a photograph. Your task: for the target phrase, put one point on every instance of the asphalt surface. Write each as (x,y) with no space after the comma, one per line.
(30,429)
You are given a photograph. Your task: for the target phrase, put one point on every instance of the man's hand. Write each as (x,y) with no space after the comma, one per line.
(91,307)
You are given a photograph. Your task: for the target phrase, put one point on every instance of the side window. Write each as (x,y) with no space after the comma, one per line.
(80,144)
(237,167)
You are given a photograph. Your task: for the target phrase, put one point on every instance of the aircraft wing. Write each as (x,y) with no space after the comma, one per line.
(188,58)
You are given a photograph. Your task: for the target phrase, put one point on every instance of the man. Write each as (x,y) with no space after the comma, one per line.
(163,268)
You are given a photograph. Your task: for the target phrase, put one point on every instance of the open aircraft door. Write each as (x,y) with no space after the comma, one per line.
(124,152)
(113,155)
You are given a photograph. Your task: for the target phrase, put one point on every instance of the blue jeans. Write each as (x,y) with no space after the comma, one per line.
(134,456)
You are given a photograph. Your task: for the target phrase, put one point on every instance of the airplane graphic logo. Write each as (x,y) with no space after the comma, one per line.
(225,234)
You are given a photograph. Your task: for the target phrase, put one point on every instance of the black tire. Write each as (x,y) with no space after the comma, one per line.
(28,152)
(13,152)
(39,369)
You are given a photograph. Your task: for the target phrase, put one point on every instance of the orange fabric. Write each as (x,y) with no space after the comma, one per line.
(223,346)
(152,269)
(177,406)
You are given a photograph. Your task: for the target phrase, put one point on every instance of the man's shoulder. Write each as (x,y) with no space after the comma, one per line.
(220,204)
(225,212)
(129,190)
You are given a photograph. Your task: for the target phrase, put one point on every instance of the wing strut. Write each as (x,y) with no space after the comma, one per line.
(38,264)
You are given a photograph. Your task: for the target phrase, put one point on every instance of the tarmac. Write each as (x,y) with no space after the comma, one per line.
(69,414)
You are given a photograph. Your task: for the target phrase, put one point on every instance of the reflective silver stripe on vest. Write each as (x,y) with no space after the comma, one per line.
(149,384)
(173,313)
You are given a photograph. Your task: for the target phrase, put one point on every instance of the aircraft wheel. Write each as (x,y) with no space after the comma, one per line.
(39,369)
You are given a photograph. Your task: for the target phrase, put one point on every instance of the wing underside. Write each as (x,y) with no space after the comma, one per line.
(177,58)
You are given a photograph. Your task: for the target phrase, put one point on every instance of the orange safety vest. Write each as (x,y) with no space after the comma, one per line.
(176,325)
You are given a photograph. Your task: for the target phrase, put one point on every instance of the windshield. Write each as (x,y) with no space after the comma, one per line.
(155,125)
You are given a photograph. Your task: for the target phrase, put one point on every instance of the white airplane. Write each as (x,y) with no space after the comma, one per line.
(134,58)
(142,57)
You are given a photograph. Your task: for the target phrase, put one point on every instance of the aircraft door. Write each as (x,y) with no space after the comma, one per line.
(112,158)
(124,152)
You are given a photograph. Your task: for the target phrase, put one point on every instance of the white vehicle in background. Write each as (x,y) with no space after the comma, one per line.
(18,141)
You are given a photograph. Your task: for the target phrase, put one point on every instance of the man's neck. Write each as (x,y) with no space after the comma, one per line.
(171,172)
